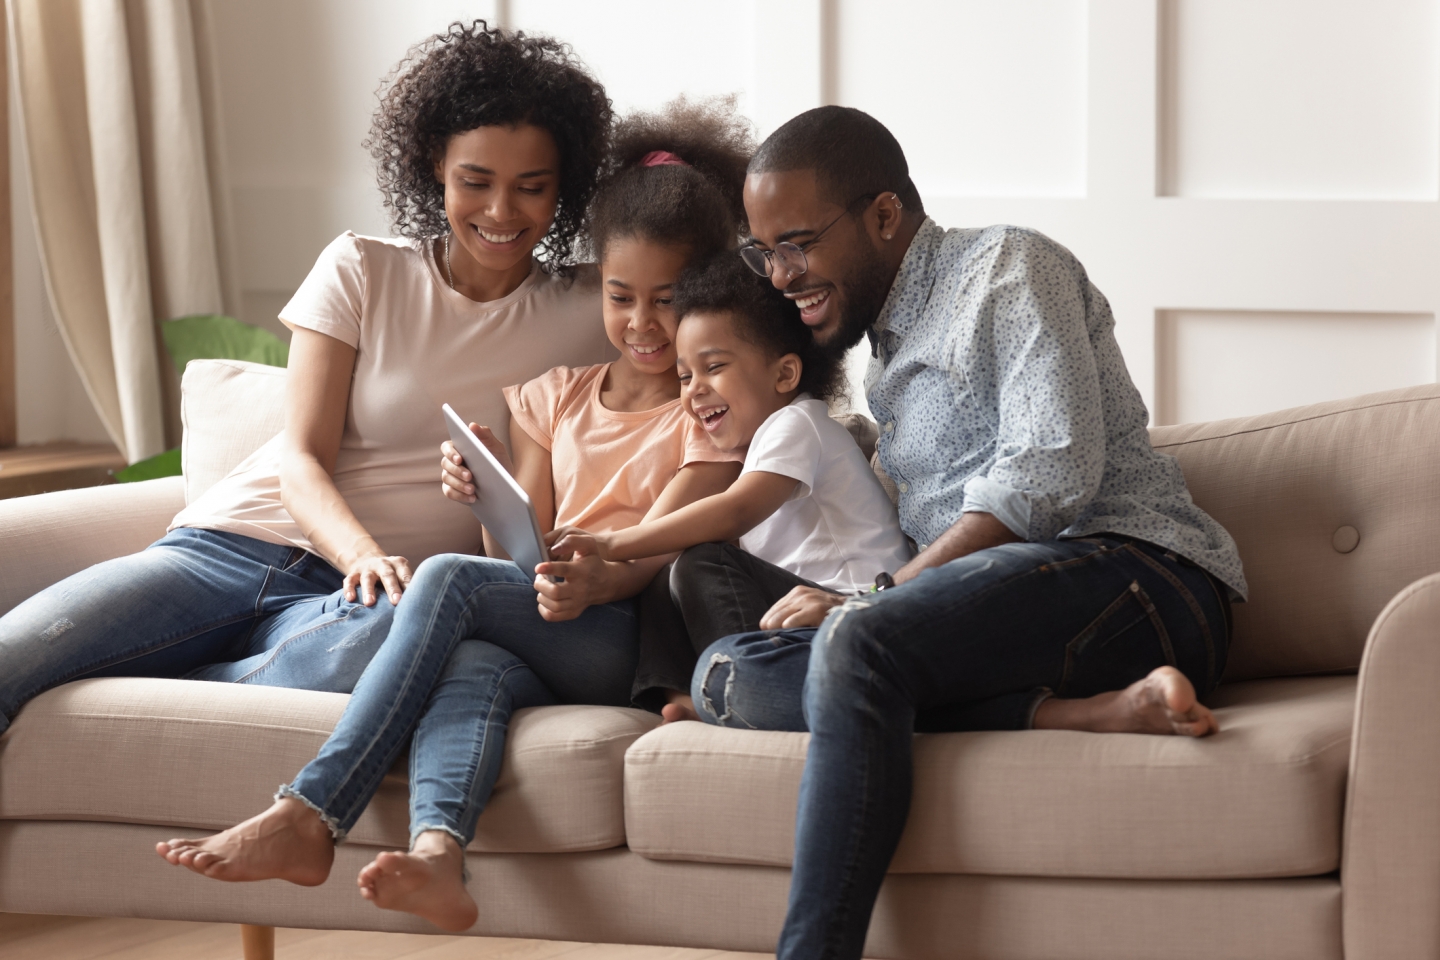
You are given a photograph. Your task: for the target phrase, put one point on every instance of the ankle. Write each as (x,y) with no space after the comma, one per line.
(437,843)
(303,818)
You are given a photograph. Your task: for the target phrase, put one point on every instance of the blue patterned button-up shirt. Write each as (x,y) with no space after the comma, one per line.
(999,388)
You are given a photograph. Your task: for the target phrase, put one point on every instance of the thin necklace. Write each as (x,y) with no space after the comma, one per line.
(448,275)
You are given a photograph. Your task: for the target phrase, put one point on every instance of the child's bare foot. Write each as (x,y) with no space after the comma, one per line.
(428,882)
(680,707)
(287,842)
(1163,702)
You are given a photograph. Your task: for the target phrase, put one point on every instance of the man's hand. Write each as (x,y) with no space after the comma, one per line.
(565,542)
(801,607)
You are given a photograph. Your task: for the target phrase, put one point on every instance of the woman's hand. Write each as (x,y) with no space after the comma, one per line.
(801,607)
(565,542)
(392,572)
(456,480)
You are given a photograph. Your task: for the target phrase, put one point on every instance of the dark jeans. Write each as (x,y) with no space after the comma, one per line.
(975,644)
(711,591)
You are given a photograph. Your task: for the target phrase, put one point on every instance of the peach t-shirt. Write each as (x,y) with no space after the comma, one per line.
(418,344)
(609,466)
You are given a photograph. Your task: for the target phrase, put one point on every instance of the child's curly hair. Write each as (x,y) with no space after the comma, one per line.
(474,76)
(698,204)
(759,314)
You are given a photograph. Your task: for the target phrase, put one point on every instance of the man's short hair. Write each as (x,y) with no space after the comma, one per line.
(851,152)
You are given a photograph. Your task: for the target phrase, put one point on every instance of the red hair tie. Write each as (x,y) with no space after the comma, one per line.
(662,158)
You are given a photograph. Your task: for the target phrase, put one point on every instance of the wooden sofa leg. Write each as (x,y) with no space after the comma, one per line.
(258,943)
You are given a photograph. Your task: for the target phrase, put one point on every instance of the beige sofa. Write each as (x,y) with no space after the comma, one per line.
(1308,828)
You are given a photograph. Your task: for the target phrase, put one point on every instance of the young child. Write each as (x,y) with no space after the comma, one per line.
(475,638)
(806,510)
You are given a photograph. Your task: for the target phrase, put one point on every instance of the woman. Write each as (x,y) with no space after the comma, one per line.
(477,637)
(488,145)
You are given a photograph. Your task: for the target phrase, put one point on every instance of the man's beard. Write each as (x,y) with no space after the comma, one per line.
(863,298)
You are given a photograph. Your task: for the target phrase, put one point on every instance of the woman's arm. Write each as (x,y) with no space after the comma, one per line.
(317,395)
(589,580)
(720,517)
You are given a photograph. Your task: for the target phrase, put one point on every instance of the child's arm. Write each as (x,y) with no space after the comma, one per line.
(721,517)
(589,579)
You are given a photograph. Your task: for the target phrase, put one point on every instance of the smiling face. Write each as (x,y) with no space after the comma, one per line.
(638,276)
(847,278)
(502,185)
(728,383)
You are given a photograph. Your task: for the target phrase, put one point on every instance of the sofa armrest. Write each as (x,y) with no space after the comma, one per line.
(47,537)
(1390,868)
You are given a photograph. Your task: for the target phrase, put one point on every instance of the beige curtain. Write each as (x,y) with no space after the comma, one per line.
(120,125)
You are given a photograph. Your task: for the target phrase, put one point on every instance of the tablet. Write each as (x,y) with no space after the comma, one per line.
(500,503)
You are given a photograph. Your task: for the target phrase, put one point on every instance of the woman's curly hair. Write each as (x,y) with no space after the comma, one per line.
(698,204)
(472,76)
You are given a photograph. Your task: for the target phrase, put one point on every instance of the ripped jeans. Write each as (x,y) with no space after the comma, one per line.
(468,648)
(196,605)
(975,644)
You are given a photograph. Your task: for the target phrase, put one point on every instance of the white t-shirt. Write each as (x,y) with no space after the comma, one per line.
(418,344)
(838,529)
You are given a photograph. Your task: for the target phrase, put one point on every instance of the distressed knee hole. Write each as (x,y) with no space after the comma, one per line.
(721,669)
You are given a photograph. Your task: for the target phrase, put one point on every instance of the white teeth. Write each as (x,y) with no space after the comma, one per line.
(804,303)
(712,414)
(498,237)
(645,349)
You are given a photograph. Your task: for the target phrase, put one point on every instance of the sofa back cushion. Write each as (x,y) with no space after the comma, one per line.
(229,409)
(1335,507)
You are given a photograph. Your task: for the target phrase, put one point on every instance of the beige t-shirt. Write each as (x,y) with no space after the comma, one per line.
(608,466)
(418,344)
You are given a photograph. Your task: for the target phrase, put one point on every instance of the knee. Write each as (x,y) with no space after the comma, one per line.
(846,647)
(687,573)
(712,687)
(438,569)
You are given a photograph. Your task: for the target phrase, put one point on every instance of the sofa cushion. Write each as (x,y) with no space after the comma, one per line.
(1262,798)
(229,409)
(1332,506)
(202,756)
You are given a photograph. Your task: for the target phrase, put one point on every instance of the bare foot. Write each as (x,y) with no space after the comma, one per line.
(1164,703)
(680,707)
(428,882)
(287,842)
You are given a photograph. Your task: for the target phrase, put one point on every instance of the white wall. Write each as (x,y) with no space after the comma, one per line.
(1252,184)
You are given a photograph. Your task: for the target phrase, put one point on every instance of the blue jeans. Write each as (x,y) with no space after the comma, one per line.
(468,647)
(196,604)
(976,644)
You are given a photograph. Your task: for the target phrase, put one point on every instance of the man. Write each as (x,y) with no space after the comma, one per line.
(1064,577)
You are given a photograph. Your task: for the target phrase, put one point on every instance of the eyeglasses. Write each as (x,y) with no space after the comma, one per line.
(791,256)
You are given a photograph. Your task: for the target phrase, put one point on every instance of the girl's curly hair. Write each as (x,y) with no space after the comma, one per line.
(472,76)
(698,204)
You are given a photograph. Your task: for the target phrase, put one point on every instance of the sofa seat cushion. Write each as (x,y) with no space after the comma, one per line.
(1262,798)
(202,756)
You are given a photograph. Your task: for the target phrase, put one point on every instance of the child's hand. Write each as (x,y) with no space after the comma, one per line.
(566,542)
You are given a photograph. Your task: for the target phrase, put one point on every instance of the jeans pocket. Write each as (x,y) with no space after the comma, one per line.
(1124,643)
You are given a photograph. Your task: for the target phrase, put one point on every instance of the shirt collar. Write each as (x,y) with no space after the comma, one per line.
(912,282)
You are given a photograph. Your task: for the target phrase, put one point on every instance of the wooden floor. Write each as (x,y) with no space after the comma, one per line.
(81,938)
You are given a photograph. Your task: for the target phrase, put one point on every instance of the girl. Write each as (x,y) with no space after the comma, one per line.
(489,146)
(807,509)
(470,644)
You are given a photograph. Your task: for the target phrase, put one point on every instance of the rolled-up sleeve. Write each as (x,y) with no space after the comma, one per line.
(1027,354)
